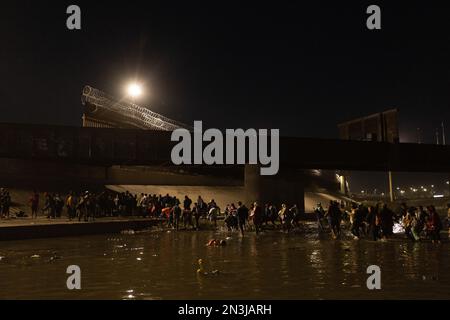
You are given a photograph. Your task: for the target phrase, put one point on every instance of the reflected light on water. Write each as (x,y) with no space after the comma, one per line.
(272,265)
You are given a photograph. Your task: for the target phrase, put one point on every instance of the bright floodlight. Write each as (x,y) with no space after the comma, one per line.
(134,90)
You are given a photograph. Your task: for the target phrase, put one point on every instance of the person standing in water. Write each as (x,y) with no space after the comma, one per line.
(434,225)
(373,222)
(320,213)
(176,215)
(257,216)
(242,213)
(196,213)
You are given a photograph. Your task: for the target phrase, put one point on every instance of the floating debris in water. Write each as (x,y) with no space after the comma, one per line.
(35,256)
(138,259)
(216,243)
(127,232)
(55,258)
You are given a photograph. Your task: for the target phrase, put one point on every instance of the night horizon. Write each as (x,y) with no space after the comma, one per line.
(199,63)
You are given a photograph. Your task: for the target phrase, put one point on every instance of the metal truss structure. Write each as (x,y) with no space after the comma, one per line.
(130,113)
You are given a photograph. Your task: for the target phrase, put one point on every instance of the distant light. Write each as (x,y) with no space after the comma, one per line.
(432,185)
(425,190)
(134,90)
(402,191)
(438,196)
(447,182)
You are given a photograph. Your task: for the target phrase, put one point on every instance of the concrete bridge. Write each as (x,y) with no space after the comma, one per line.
(85,154)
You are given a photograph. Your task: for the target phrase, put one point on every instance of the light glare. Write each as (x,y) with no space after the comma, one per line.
(134,90)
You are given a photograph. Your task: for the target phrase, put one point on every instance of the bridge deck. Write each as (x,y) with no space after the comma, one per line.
(106,146)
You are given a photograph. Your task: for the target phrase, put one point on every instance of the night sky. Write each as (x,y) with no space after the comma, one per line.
(300,67)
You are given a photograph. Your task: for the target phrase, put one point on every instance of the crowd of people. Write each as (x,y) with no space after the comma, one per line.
(239,217)
(377,221)
(90,205)
(372,222)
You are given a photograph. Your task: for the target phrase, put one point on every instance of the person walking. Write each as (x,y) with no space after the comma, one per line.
(387,221)
(196,213)
(176,211)
(374,223)
(257,217)
(242,213)
(34,204)
(320,214)
(434,225)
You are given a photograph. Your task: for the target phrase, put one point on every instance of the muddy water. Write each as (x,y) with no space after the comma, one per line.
(274,265)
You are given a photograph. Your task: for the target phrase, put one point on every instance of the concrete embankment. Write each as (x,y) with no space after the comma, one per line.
(21,230)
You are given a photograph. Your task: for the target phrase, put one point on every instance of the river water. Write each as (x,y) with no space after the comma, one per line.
(273,265)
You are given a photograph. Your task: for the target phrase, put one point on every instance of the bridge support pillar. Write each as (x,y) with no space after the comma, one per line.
(287,187)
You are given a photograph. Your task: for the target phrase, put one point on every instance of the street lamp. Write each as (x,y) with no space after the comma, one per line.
(134,90)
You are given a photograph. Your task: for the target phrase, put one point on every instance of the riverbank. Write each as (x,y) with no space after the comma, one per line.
(27,228)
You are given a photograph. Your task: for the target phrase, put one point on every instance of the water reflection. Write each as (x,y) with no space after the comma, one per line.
(163,265)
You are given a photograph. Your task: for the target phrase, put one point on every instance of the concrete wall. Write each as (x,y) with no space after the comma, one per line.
(162,176)
(56,174)
(287,187)
(37,174)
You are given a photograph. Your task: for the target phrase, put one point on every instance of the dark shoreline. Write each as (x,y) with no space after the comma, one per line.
(72,228)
